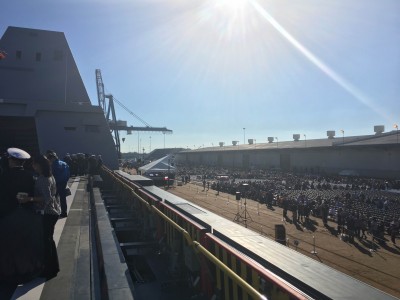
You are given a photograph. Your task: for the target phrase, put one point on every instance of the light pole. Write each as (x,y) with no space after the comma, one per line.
(277,142)
(138,145)
(169,165)
(342,131)
(305,140)
(244,136)
(164,139)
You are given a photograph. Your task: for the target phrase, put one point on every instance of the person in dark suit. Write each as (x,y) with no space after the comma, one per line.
(21,251)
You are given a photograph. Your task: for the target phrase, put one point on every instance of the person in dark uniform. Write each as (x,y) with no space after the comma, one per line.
(14,180)
(21,250)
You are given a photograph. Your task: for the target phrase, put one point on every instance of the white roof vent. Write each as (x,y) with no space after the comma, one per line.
(296,137)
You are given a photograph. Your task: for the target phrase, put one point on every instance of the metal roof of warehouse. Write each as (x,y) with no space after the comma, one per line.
(365,140)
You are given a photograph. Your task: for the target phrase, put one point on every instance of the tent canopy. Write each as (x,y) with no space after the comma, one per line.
(160,165)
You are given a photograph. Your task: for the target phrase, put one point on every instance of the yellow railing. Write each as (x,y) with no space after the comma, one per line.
(196,245)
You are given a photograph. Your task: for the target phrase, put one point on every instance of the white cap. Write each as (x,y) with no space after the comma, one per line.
(18,153)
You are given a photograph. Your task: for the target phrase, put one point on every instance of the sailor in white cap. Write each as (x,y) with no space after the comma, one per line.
(17,153)
(21,246)
(15,180)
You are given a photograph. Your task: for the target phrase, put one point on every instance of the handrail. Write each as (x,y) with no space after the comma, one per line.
(148,205)
(236,278)
(197,246)
(185,234)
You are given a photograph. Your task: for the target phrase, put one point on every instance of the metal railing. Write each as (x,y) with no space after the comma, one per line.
(194,244)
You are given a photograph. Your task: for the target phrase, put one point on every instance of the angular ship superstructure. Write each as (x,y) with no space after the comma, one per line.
(43,101)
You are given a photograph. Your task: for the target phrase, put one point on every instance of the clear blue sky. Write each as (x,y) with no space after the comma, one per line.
(207,69)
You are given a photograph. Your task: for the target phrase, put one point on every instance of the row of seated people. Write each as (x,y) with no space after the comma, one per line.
(322,196)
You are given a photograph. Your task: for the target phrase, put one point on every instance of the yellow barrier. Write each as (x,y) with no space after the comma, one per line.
(197,246)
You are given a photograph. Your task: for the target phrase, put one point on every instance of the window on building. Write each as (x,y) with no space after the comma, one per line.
(18,54)
(38,56)
(58,55)
(92,128)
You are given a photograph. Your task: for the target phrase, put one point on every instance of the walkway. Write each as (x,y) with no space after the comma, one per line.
(72,239)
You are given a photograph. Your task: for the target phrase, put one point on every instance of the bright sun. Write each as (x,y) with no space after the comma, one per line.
(231,5)
(229,17)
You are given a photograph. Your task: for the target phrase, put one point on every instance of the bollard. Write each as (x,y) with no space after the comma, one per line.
(258,208)
(314,251)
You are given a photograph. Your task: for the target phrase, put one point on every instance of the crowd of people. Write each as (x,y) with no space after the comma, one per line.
(357,205)
(81,163)
(33,197)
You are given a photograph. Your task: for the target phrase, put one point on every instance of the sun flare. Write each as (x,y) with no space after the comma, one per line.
(231,5)
(230,18)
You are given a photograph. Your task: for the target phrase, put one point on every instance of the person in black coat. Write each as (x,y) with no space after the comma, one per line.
(14,179)
(21,251)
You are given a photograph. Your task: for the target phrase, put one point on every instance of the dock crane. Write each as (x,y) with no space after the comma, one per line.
(109,112)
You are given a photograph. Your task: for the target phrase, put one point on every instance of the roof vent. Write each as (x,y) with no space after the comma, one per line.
(296,137)
(379,129)
(330,134)
(270,139)
(221,144)
(234,143)
(251,141)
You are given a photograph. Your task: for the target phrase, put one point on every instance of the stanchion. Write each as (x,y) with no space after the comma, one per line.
(314,251)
